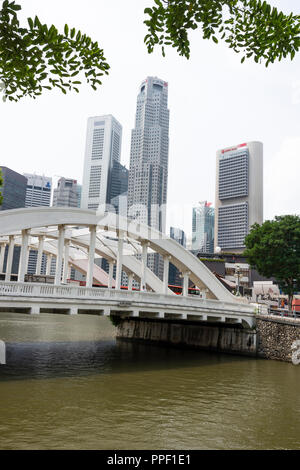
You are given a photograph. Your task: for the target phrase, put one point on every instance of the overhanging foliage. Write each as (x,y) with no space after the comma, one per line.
(252,27)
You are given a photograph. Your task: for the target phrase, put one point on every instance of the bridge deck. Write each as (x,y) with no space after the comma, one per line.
(35,298)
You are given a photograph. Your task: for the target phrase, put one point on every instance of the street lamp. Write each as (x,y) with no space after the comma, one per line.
(238,274)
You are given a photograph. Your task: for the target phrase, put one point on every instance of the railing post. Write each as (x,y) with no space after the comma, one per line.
(91,257)
(119,260)
(185,288)
(23,255)
(66,261)
(166,275)
(48,268)
(130,281)
(110,273)
(144,266)
(9,257)
(60,249)
(40,255)
(2,253)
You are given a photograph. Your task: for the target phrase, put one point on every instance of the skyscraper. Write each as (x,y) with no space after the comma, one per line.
(203,227)
(38,190)
(239,194)
(66,193)
(102,163)
(148,171)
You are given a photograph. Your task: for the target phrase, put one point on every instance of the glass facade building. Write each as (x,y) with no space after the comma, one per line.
(13,189)
(203,227)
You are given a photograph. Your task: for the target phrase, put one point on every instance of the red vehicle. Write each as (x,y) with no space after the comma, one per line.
(296,306)
(176,289)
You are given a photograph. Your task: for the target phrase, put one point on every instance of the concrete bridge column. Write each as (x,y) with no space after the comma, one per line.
(40,255)
(10,255)
(48,268)
(23,255)
(185,288)
(166,274)
(144,266)
(110,273)
(119,260)
(60,250)
(130,281)
(2,253)
(66,261)
(91,258)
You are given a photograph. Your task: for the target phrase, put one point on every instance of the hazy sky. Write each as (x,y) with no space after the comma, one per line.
(214,101)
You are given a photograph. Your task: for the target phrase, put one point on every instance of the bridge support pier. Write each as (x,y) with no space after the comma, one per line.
(190,334)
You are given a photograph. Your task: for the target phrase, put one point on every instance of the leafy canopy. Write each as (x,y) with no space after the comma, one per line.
(273,248)
(39,57)
(252,27)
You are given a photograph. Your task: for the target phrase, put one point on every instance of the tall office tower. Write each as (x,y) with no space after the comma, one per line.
(179,236)
(13,189)
(148,171)
(203,227)
(65,195)
(102,156)
(38,194)
(239,194)
(38,191)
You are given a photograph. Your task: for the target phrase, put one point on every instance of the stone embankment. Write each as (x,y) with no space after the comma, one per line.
(214,338)
(276,336)
(273,338)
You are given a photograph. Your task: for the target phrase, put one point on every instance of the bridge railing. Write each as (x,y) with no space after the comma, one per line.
(30,290)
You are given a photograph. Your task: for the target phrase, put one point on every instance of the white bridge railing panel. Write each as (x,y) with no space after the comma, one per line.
(15,289)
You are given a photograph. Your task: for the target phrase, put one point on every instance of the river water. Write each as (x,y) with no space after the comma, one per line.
(68,384)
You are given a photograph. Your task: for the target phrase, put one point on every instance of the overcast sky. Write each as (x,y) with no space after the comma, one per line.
(214,101)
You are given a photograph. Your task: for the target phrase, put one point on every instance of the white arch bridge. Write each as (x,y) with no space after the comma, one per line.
(77,237)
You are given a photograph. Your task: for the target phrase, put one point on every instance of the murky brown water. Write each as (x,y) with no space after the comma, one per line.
(69,385)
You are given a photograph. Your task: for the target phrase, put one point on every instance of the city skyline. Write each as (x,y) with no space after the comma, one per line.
(207,103)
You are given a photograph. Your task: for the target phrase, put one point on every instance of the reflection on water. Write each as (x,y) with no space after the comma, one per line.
(69,384)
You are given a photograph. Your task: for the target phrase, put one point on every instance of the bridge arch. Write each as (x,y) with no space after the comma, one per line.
(116,238)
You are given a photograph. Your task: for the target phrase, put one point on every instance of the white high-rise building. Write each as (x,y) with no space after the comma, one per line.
(239,194)
(103,148)
(66,193)
(148,170)
(38,190)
